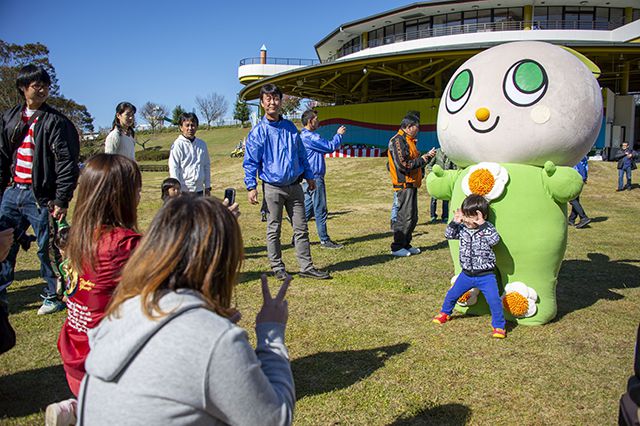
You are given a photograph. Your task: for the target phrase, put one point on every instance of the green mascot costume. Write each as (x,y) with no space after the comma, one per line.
(516,118)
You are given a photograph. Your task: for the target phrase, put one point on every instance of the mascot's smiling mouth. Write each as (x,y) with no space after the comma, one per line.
(485,130)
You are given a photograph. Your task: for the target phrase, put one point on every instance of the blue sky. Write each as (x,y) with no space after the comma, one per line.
(166,52)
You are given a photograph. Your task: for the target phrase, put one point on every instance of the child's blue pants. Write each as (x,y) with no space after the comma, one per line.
(487,285)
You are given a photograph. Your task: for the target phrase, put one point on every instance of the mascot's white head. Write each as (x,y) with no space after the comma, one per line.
(523,102)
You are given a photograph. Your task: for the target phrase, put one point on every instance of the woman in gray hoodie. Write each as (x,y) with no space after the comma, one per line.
(168,351)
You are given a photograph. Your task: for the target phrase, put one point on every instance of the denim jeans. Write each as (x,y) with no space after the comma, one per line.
(407,219)
(621,173)
(394,207)
(434,209)
(18,205)
(315,205)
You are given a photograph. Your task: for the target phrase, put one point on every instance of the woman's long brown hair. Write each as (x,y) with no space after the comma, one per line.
(108,195)
(192,243)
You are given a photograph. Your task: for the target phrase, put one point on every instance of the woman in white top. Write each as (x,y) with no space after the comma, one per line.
(121,139)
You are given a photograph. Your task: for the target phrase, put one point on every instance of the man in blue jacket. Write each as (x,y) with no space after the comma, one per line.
(315,202)
(275,153)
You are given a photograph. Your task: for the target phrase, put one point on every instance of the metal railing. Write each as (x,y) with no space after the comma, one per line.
(280,61)
(484,27)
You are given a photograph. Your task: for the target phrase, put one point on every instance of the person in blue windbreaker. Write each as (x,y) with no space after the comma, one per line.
(315,201)
(576,208)
(275,154)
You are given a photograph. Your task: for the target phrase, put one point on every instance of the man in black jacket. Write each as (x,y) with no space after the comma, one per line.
(39,150)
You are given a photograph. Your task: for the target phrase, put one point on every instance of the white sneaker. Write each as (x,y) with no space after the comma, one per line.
(401,253)
(61,413)
(50,306)
(414,250)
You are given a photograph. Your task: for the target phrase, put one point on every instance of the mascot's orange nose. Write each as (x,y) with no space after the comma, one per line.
(483,114)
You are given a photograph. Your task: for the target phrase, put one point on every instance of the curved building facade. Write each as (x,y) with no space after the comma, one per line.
(369,72)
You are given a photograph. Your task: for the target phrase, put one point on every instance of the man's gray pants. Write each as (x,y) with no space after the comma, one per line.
(291,198)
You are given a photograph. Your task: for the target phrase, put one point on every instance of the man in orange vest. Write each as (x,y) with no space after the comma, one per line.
(405,167)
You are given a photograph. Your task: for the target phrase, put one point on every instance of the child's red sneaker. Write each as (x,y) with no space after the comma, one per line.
(441,318)
(499,333)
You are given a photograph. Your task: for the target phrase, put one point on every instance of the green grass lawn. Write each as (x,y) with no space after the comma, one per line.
(362,346)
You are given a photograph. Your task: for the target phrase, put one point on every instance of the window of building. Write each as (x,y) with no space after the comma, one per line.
(484,16)
(375,37)
(439,24)
(636,14)
(616,16)
(424,26)
(470,17)
(411,28)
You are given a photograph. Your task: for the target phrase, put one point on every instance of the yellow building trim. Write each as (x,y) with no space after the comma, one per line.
(382,113)
(250,78)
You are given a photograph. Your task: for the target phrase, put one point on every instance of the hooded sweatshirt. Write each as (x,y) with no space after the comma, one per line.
(190,367)
(189,162)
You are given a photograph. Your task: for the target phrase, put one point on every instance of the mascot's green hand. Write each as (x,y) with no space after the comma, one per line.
(562,183)
(440,183)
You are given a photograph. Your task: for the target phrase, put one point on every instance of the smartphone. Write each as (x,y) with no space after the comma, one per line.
(230,194)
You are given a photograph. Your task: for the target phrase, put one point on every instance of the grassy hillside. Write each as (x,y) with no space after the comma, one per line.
(362,345)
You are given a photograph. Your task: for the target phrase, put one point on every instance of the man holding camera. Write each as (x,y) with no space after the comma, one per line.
(39,150)
(405,168)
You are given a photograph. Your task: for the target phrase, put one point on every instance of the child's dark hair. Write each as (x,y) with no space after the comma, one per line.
(473,203)
(62,237)
(167,184)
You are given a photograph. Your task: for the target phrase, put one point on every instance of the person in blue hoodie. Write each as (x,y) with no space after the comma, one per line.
(275,153)
(576,208)
(315,202)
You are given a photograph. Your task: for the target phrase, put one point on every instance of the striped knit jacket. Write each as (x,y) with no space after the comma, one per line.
(476,253)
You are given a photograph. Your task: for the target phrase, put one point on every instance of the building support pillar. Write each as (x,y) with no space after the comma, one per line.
(438,86)
(528,16)
(628,15)
(626,70)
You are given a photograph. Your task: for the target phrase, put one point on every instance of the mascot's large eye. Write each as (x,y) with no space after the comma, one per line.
(525,83)
(459,92)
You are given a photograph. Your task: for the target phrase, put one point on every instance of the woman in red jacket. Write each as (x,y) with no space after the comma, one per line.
(103,236)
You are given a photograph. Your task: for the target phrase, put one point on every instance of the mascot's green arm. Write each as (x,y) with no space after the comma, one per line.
(562,183)
(440,183)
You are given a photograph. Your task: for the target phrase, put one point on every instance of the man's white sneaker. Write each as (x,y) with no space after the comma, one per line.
(61,413)
(414,250)
(401,253)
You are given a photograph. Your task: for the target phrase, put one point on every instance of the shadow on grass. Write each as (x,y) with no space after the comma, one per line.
(369,237)
(254,250)
(252,275)
(26,275)
(582,283)
(348,265)
(21,298)
(329,371)
(338,213)
(27,392)
(449,414)
(599,219)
